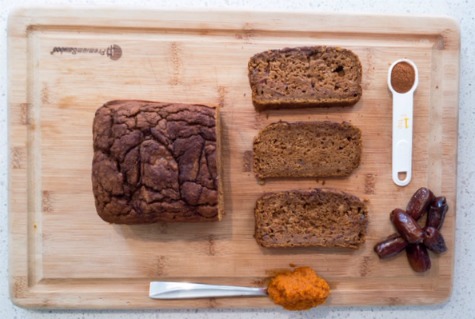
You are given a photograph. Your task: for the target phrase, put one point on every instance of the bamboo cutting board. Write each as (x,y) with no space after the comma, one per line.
(64,64)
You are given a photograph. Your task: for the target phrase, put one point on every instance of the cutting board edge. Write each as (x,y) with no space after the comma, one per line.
(23,18)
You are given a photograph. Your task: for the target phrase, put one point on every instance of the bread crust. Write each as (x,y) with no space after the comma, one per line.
(156,162)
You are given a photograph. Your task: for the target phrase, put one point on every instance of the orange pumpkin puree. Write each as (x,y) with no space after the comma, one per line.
(300,289)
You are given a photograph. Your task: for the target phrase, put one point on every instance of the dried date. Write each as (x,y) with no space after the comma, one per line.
(407,227)
(434,240)
(419,202)
(437,211)
(418,257)
(390,247)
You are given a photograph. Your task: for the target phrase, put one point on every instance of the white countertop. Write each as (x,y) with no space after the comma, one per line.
(461,303)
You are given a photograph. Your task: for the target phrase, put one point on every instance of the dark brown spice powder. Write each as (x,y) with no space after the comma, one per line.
(402,77)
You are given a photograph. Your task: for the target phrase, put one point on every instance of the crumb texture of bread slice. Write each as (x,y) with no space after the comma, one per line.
(156,162)
(305,77)
(310,218)
(307,149)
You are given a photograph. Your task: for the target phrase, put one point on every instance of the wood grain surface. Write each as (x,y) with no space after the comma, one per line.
(63,65)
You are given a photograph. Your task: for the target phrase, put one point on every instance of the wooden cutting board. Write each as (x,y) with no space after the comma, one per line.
(64,64)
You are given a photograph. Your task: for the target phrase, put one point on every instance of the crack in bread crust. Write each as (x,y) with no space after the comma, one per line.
(155,162)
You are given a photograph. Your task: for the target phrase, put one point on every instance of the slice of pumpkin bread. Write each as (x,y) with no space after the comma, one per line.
(307,149)
(305,77)
(315,217)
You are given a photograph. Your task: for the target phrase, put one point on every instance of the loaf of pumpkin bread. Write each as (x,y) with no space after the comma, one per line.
(306,149)
(305,77)
(156,162)
(315,217)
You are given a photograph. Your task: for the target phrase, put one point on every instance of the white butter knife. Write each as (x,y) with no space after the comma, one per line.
(187,290)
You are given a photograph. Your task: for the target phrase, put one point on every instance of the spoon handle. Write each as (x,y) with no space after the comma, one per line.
(186,290)
(402,138)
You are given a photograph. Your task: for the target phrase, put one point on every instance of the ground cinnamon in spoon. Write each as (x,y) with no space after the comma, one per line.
(300,289)
(402,77)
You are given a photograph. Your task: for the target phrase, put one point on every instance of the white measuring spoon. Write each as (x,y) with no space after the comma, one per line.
(403,103)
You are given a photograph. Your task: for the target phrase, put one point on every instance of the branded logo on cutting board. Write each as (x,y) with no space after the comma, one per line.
(114,52)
